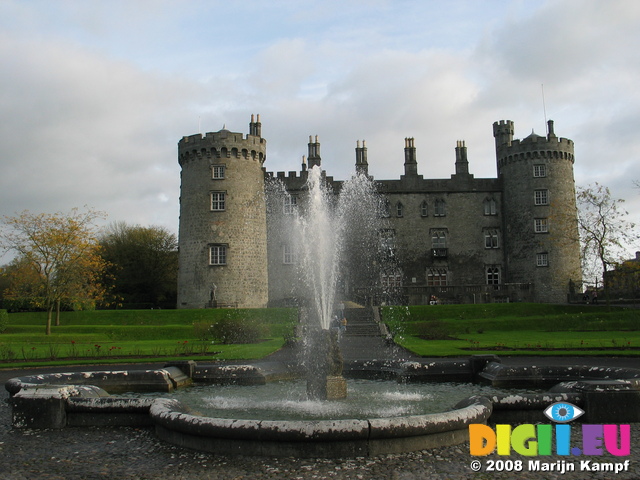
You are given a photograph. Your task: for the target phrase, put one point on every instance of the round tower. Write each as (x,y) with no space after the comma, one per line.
(539,211)
(223,227)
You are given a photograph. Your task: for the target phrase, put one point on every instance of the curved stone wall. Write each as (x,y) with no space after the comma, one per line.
(312,438)
(608,395)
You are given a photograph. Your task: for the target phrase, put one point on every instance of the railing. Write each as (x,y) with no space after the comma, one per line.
(216,304)
(421,295)
(449,290)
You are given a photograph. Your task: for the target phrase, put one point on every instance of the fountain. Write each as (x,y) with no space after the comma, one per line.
(81,399)
(318,239)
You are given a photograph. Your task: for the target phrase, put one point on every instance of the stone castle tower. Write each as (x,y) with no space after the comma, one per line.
(509,238)
(540,213)
(223,234)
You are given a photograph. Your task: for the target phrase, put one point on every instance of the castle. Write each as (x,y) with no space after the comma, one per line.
(462,239)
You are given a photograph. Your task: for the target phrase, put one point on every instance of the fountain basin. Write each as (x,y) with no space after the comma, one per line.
(81,399)
(176,424)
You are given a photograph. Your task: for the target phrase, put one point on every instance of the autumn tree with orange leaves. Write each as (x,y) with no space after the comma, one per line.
(57,259)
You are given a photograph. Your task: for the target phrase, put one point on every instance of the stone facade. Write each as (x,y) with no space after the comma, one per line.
(223,233)
(540,213)
(462,239)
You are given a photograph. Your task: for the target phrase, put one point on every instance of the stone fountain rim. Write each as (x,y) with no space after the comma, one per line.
(78,395)
(174,415)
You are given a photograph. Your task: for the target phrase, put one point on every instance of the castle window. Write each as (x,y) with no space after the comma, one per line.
(399,209)
(387,242)
(491,239)
(288,254)
(493,275)
(391,282)
(438,239)
(218,201)
(490,207)
(386,209)
(541,197)
(540,225)
(439,209)
(540,171)
(217,172)
(437,277)
(289,204)
(217,255)
(423,209)
(542,259)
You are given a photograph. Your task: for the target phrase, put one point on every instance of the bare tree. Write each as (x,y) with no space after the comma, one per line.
(605,232)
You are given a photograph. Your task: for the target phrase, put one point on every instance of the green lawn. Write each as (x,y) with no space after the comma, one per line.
(128,336)
(515,329)
(112,336)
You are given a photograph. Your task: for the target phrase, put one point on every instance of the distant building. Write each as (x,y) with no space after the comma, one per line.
(462,239)
(624,280)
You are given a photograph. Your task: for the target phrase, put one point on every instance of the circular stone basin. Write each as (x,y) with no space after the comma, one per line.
(607,394)
(377,417)
(287,400)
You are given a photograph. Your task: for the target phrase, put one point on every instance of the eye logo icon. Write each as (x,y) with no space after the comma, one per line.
(563,412)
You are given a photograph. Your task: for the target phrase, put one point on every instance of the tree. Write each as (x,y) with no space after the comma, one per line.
(143,262)
(604,230)
(57,258)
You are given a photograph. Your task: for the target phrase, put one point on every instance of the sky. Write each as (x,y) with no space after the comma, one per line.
(95,95)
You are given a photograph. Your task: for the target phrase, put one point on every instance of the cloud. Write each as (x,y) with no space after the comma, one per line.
(84,129)
(92,107)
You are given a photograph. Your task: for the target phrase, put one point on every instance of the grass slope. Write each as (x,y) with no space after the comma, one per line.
(515,329)
(110,336)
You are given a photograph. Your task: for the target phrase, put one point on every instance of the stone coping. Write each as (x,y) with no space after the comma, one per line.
(176,424)
(501,375)
(173,415)
(83,399)
(117,381)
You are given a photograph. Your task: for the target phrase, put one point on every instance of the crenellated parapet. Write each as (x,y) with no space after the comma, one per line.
(221,145)
(533,147)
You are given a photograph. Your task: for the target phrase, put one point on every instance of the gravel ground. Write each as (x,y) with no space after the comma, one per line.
(133,453)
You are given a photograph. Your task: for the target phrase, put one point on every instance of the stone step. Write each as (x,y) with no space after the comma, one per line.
(360,322)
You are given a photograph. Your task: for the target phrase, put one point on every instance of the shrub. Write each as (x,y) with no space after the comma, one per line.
(4,320)
(433,330)
(236,328)
(202,330)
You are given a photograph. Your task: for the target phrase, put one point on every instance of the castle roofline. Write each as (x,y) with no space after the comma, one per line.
(533,137)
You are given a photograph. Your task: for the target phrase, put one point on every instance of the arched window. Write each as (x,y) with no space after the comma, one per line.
(423,209)
(493,275)
(490,207)
(399,209)
(491,238)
